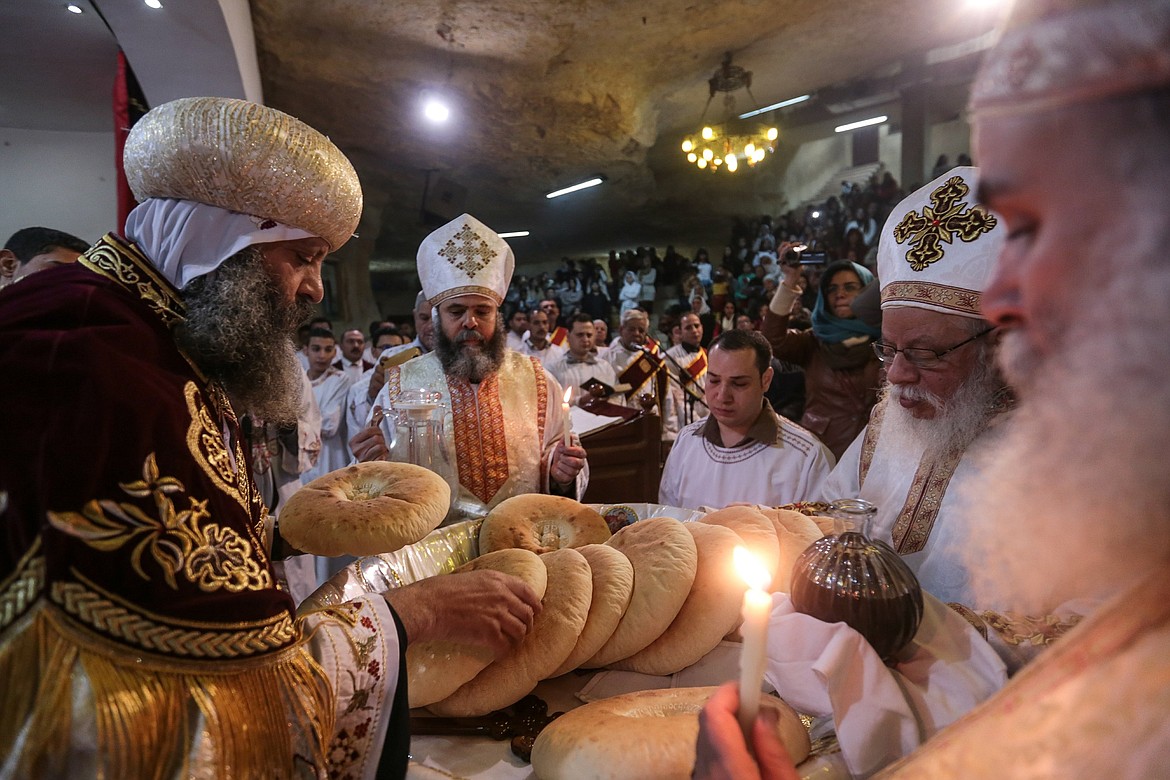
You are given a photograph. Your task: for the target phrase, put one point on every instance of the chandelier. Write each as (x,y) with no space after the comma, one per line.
(734,141)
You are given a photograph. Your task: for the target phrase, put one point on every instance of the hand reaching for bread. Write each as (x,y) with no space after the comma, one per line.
(482,607)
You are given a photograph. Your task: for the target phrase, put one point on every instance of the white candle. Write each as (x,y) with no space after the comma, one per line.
(568,417)
(757,606)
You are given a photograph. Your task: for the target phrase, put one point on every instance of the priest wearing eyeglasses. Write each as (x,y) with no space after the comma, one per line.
(944,402)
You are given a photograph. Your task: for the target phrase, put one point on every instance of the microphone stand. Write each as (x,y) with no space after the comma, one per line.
(682,380)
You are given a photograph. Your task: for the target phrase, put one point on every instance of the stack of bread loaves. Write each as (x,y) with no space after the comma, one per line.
(654,598)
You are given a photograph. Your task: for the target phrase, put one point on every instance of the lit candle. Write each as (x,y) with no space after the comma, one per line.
(568,417)
(757,606)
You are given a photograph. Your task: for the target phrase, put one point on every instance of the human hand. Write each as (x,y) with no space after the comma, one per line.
(377,381)
(369,443)
(567,463)
(484,607)
(721,752)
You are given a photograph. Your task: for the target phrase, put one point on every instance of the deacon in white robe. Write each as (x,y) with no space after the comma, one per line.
(331,389)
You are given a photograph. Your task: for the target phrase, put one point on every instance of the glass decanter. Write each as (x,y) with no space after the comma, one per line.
(413,427)
(852,578)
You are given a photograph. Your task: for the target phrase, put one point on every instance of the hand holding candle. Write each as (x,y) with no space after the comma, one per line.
(757,606)
(568,418)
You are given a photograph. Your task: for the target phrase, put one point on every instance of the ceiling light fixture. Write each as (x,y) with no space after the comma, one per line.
(73,9)
(583,185)
(436,111)
(876,120)
(724,145)
(774,106)
(513,234)
(153,3)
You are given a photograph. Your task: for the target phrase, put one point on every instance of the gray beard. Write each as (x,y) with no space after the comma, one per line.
(240,332)
(465,364)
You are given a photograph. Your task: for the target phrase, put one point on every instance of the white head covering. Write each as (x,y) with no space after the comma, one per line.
(465,257)
(1059,52)
(185,239)
(938,247)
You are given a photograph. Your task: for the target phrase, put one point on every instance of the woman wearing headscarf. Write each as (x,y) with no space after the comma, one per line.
(841,370)
(630,293)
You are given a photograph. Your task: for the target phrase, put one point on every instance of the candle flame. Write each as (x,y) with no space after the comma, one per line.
(754,573)
(568,394)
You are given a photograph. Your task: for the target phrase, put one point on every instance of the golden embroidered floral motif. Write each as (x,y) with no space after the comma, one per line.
(940,223)
(467,251)
(970,616)
(870,442)
(1038,631)
(126,265)
(481,450)
(939,295)
(205,442)
(178,541)
(541,398)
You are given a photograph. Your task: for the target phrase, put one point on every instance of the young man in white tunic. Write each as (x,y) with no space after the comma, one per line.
(580,364)
(744,451)
(537,343)
(505,426)
(330,388)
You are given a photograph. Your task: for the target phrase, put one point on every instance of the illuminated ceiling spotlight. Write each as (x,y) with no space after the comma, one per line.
(436,110)
(73,9)
(583,185)
(153,3)
(876,120)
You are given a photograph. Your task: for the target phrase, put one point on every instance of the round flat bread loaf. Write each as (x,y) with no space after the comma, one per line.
(365,509)
(712,609)
(435,670)
(541,523)
(795,532)
(640,735)
(664,558)
(553,636)
(613,584)
(756,531)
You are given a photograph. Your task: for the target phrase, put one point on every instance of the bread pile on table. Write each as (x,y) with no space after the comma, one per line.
(655,597)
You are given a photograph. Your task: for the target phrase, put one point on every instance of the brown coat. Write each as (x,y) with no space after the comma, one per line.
(837,401)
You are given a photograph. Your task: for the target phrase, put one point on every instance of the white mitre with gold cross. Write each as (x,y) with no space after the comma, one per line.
(938,247)
(465,257)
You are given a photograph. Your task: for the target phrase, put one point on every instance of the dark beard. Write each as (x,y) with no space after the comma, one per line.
(239,332)
(472,366)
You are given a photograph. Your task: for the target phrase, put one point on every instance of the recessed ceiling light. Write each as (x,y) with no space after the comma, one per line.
(73,9)
(583,185)
(514,234)
(153,3)
(877,120)
(774,106)
(436,111)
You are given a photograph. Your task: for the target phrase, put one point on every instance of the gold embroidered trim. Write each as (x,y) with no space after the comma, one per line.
(916,520)
(106,614)
(211,556)
(971,617)
(870,442)
(205,442)
(941,222)
(23,586)
(940,295)
(482,451)
(1038,631)
(466,289)
(125,264)
(541,400)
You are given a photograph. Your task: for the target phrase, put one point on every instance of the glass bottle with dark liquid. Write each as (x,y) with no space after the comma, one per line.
(853,579)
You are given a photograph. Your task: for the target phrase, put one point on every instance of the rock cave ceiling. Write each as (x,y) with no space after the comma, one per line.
(545,94)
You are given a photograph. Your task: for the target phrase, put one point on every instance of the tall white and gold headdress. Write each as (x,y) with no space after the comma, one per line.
(465,257)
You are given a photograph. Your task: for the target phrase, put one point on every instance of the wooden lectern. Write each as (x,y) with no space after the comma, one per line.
(624,465)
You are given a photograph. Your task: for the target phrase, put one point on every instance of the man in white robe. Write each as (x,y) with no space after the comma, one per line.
(580,365)
(505,428)
(359,397)
(744,451)
(331,389)
(352,361)
(635,364)
(1073,502)
(517,328)
(537,343)
(686,362)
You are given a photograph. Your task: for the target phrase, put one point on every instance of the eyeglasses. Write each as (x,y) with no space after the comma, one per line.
(919,357)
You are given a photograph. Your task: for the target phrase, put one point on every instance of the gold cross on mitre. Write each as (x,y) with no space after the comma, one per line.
(940,222)
(467,251)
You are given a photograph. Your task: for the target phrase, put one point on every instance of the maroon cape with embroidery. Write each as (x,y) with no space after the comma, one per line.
(124,508)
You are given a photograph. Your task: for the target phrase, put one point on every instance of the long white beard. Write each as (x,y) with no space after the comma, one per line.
(956,422)
(1075,503)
